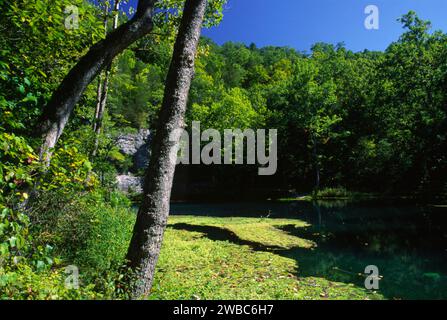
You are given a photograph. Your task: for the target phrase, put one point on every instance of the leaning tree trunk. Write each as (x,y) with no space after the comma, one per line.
(103,90)
(57,112)
(152,217)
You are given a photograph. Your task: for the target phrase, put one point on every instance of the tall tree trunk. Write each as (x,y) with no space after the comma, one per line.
(99,87)
(152,217)
(102,97)
(98,100)
(316,164)
(57,112)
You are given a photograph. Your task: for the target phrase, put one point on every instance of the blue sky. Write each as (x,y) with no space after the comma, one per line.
(301,23)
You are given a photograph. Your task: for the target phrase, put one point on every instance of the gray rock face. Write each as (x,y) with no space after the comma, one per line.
(138,146)
(130,183)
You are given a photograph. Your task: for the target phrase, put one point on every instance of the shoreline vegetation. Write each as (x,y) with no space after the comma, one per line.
(342,194)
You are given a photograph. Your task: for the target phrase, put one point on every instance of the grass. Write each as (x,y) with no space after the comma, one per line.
(243,258)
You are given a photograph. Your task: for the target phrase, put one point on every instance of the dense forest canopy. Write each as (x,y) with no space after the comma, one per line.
(375,119)
(366,121)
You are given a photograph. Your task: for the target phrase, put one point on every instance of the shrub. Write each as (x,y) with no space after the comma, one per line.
(337,192)
(23,282)
(91,230)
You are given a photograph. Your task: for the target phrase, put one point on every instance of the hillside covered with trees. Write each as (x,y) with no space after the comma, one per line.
(360,122)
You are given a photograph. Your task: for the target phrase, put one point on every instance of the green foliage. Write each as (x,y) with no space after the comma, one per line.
(169,12)
(17,164)
(338,192)
(18,100)
(233,110)
(417,28)
(69,169)
(24,263)
(136,92)
(35,43)
(192,266)
(91,230)
(367,120)
(25,284)
(78,227)
(68,210)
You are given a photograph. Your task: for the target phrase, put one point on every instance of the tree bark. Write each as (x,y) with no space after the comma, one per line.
(99,87)
(103,89)
(57,112)
(152,216)
(316,164)
(98,100)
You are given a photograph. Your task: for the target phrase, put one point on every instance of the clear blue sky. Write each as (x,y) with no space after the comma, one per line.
(301,23)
